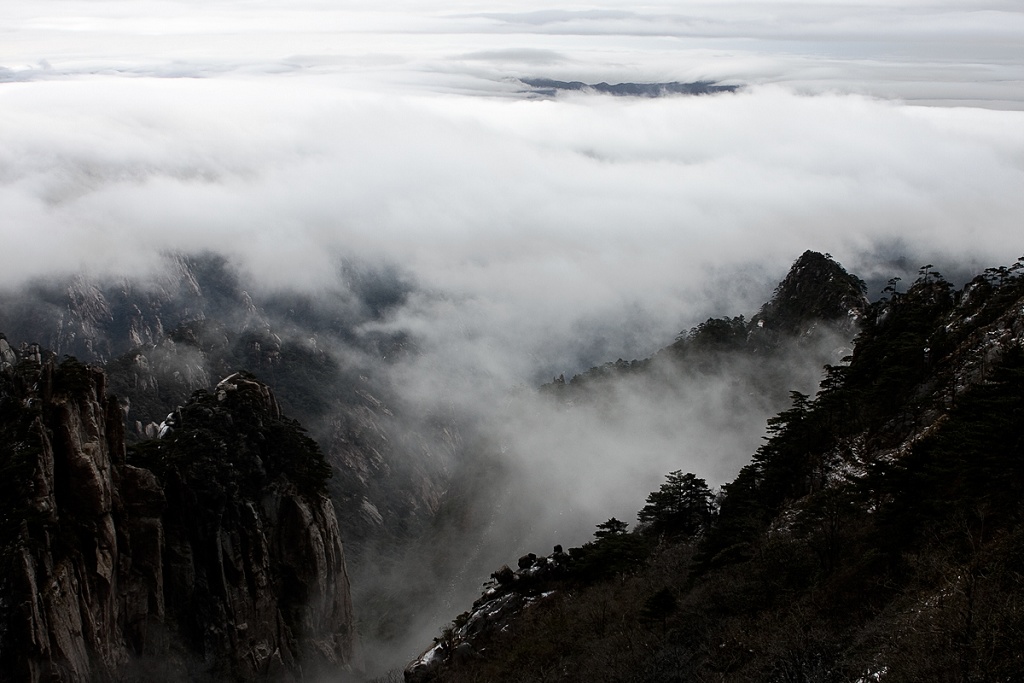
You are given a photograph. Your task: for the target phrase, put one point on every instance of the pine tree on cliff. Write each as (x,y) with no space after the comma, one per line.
(680,507)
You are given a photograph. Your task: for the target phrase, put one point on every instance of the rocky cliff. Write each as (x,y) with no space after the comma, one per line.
(210,554)
(161,338)
(195,319)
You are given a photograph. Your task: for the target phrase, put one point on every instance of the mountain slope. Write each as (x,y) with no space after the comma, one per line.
(814,311)
(875,535)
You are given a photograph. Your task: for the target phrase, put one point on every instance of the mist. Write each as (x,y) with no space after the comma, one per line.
(528,226)
(511,235)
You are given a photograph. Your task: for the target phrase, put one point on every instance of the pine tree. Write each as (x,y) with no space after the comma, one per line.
(680,507)
(612,527)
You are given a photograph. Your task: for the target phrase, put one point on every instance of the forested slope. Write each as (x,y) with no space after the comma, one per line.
(875,535)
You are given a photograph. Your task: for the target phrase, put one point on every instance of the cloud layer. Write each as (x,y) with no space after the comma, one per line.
(539,235)
(527,224)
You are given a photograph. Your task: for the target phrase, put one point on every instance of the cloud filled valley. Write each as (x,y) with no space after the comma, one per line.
(378,196)
(526,224)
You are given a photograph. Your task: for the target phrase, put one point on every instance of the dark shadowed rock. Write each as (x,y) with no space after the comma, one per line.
(214,551)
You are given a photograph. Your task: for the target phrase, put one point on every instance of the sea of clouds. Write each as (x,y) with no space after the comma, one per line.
(537,234)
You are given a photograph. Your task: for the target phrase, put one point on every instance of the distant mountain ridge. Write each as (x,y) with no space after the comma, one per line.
(549,86)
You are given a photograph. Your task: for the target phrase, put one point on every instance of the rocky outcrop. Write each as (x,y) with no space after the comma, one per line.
(212,554)
(195,318)
(505,596)
(816,290)
(8,358)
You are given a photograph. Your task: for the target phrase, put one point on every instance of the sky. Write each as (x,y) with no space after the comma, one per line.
(537,234)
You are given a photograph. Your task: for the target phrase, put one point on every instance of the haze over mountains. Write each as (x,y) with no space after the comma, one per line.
(365,207)
(431,497)
(432,491)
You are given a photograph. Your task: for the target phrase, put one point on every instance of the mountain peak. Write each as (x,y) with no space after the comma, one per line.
(817,288)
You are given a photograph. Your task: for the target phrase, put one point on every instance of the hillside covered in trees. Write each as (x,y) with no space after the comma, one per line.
(876,534)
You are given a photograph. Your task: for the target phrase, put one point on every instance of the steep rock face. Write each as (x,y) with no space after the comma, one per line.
(97,320)
(260,574)
(196,319)
(222,561)
(164,337)
(69,590)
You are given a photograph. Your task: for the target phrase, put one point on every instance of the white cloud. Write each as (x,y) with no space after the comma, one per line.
(582,208)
